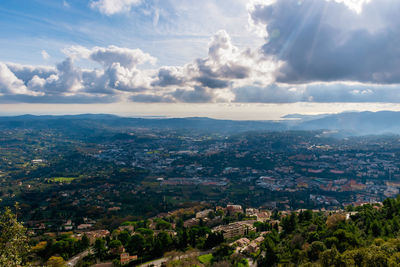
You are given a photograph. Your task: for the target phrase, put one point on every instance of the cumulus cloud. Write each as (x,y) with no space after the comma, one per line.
(9,83)
(315,51)
(355,5)
(327,41)
(226,66)
(27,72)
(169,75)
(111,7)
(127,58)
(119,74)
(198,95)
(122,74)
(66,79)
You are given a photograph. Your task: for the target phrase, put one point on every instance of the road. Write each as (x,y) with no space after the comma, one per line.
(74,260)
(158,262)
(252,263)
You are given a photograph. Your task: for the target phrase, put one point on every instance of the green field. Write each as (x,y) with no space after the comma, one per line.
(62,179)
(206,259)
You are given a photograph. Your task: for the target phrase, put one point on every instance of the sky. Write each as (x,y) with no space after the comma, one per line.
(236,59)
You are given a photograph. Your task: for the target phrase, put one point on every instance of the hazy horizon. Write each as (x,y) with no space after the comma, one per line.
(220,111)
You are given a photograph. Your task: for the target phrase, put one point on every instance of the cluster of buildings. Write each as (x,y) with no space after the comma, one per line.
(305,166)
(208,181)
(325,175)
(247,246)
(235,229)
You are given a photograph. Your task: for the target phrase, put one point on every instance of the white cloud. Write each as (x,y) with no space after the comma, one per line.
(255,25)
(9,83)
(225,66)
(45,55)
(27,72)
(119,73)
(229,73)
(127,58)
(77,51)
(111,7)
(355,5)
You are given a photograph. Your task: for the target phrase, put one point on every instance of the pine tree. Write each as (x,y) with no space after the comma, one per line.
(13,240)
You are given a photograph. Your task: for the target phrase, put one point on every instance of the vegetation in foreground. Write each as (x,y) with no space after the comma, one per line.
(365,236)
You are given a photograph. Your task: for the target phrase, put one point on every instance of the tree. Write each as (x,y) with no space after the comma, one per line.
(13,240)
(223,252)
(334,220)
(305,216)
(136,245)
(115,244)
(162,243)
(289,223)
(116,263)
(214,239)
(163,225)
(271,255)
(124,237)
(376,228)
(85,242)
(55,262)
(183,239)
(275,215)
(211,215)
(100,248)
(329,257)
(316,248)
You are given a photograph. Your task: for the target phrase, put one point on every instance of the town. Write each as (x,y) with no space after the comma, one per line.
(83,195)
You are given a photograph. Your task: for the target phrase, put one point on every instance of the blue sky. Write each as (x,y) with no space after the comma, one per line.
(175,34)
(185,57)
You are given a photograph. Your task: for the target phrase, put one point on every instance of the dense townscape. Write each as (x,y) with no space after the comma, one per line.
(179,197)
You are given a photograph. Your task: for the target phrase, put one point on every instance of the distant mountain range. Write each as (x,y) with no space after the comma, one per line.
(357,123)
(348,123)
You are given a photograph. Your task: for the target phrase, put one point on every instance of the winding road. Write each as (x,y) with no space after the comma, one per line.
(74,260)
(158,262)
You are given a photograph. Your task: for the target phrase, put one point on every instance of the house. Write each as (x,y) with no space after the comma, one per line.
(93,235)
(251,212)
(128,228)
(242,242)
(68,225)
(263,216)
(234,208)
(251,248)
(125,258)
(259,239)
(84,226)
(203,214)
(191,222)
(114,209)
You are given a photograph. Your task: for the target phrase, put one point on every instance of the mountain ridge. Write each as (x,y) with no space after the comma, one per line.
(353,123)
